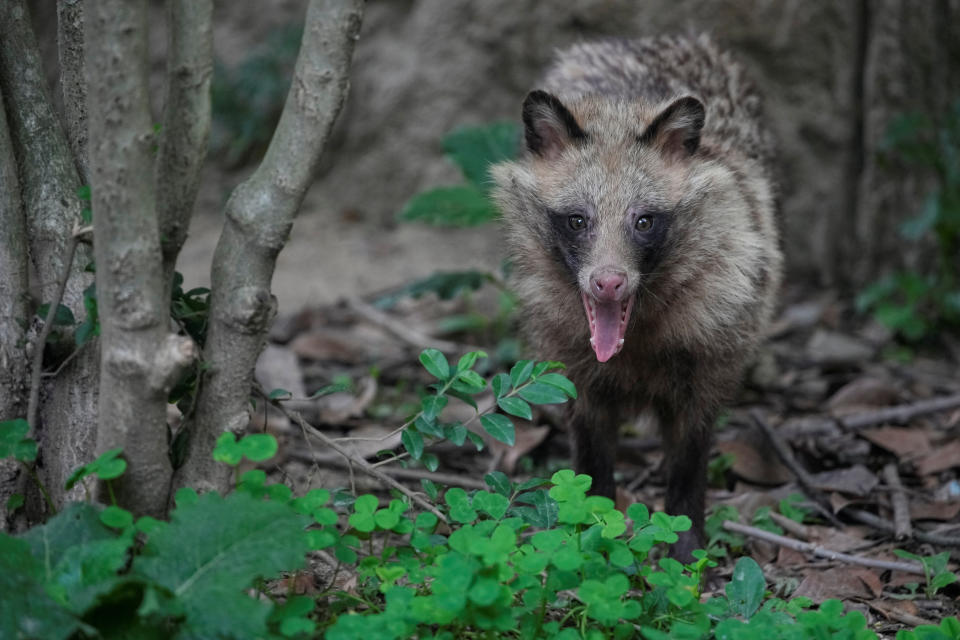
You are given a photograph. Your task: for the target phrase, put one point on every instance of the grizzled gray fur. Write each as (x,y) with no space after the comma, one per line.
(641,227)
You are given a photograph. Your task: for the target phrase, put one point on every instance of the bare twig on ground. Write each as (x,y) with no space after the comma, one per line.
(900,414)
(822,552)
(786,455)
(410,336)
(792,526)
(886,526)
(899,616)
(902,526)
(354,460)
(452,479)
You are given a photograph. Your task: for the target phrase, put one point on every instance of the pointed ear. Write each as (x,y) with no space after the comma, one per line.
(548,126)
(676,130)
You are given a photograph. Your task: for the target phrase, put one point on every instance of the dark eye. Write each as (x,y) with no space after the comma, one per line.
(644,223)
(577,223)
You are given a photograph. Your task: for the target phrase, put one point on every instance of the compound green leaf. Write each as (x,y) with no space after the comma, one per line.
(232,541)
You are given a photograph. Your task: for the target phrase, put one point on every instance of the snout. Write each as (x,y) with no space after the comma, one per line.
(608,284)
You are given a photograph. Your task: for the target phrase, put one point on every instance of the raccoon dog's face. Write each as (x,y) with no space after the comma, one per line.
(604,185)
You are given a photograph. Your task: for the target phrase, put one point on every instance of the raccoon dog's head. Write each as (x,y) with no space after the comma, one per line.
(600,191)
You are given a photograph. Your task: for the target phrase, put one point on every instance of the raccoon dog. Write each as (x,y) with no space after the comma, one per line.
(640,223)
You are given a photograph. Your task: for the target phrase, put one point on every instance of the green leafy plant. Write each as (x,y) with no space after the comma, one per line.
(934,569)
(916,305)
(527,383)
(473,150)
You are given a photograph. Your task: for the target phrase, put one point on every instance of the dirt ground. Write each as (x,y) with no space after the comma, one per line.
(333,253)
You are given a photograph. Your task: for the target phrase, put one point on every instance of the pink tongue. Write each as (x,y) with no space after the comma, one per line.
(606,329)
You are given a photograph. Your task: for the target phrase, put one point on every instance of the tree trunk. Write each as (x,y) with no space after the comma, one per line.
(259,216)
(72,86)
(912,65)
(14,307)
(48,189)
(186,123)
(140,359)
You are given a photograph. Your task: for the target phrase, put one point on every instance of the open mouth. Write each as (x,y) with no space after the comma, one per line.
(608,324)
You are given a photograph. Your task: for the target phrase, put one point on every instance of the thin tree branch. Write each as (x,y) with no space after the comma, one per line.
(259,216)
(451,479)
(140,359)
(37,368)
(310,431)
(14,284)
(903,527)
(901,414)
(822,552)
(786,455)
(73,87)
(881,524)
(186,122)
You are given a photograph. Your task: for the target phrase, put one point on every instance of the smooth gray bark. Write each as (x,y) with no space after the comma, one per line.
(140,359)
(72,86)
(186,122)
(14,296)
(48,185)
(259,216)
(13,306)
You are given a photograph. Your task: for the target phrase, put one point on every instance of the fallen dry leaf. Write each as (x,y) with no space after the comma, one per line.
(870,578)
(856,480)
(905,443)
(836,582)
(788,557)
(841,541)
(941,459)
(942,511)
(754,467)
(862,393)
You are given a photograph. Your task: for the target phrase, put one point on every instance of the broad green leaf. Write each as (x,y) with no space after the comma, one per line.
(499,482)
(81,556)
(258,446)
(543,509)
(540,393)
(472,382)
(455,433)
(14,442)
(430,461)
(279,394)
(435,363)
(475,149)
(501,385)
(457,206)
(559,381)
(499,427)
(233,541)
(28,610)
(62,316)
(114,516)
(469,359)
(746,587)
(413,443)
(432,406)
(520,372)
(515,407)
